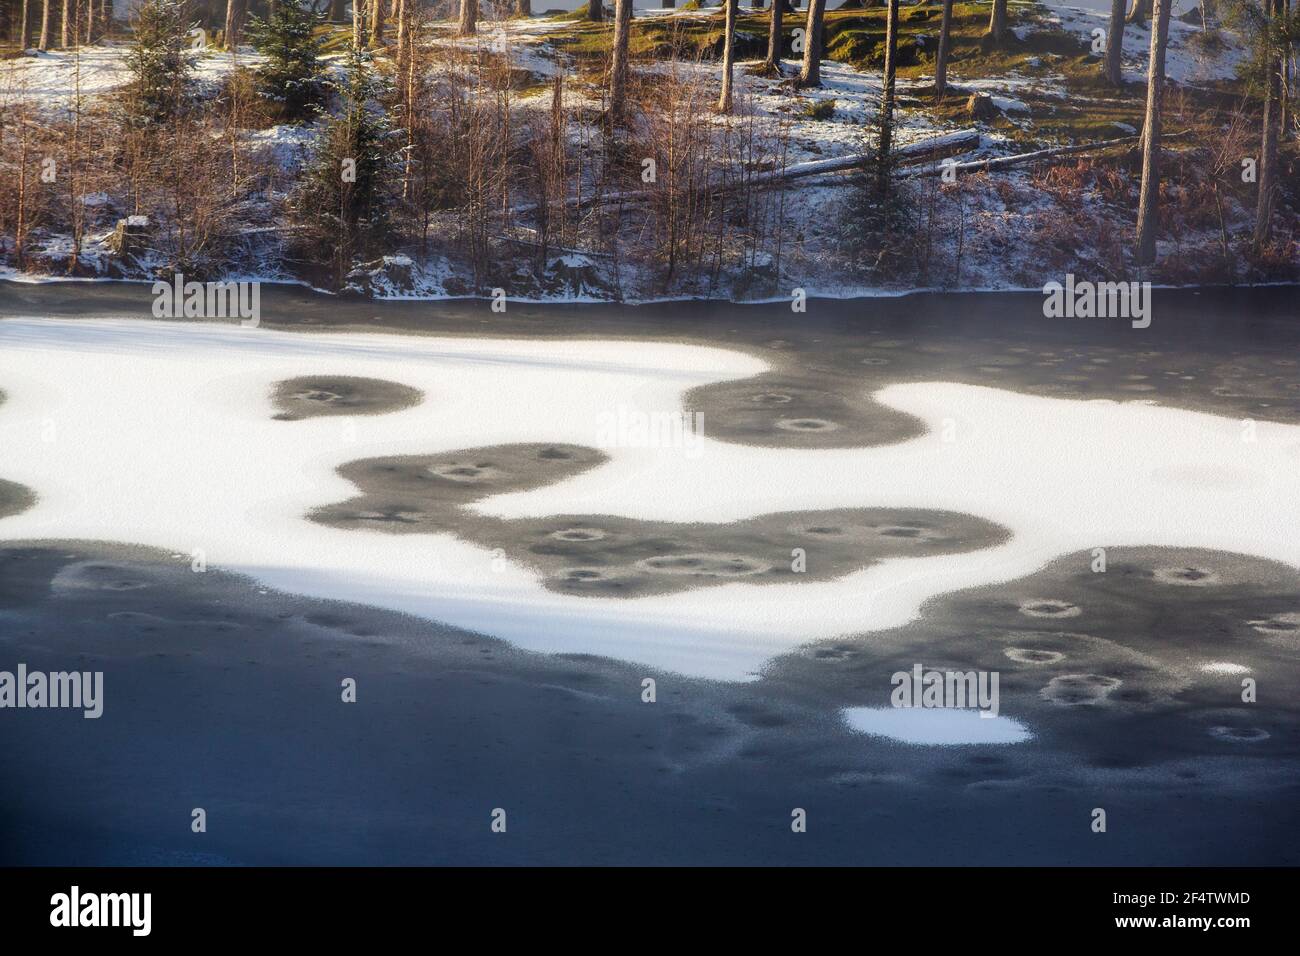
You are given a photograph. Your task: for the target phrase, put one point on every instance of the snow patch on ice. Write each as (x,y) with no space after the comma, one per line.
(935,727)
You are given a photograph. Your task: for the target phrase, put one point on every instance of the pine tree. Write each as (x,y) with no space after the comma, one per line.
(811,74)
(292,75)
(945,50)
(1112,65)
(773,62)
(159,63)
(344,199)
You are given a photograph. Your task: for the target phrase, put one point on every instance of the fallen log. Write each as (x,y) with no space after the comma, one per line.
(1002,162)
(948,144)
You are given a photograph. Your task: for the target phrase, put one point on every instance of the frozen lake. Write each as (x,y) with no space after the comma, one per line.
(458,511)
(163,434)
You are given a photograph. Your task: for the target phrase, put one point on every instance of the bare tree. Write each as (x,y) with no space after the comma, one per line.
(1112,66)
(24,30)
(468,18)
(76,164)
(811,74)
(377,22)
(728,55)
(1268,160)
(618,69)
(887,95)
(45,26)
(945,42)
(1149,201)
(773,62)
(65,25)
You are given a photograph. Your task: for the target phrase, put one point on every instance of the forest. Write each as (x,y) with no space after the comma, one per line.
(405,148)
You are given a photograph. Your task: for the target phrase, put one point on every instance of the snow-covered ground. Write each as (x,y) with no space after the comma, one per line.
(1002,213)
(52,79)
(161,433)
(1184,62)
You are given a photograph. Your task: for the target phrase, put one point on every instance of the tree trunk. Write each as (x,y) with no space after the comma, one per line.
(234,22)
(945,41)
(595,10)
(524,8)
(358,23)
(65,26)
(728,55)
(1113,65)
(773,61)
(887,96)
(24,32)
(336,10)
(1140,11)
(1288,79)
(997,33)
(45,25)
(1149,202)
(811,74)
(468,18)
(377,23)
(618,68)
(399,14)
(1268,186)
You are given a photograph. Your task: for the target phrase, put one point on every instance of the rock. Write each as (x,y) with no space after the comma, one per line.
(980,107)
(455,285)
(386,276)
(574,273)
(758,277)
(130,237)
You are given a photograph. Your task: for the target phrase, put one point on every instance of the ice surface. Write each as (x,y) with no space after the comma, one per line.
(161,433)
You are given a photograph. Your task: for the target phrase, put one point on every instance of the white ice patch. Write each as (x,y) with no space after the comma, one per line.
(161,434)
(1223,667)
(935,727)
